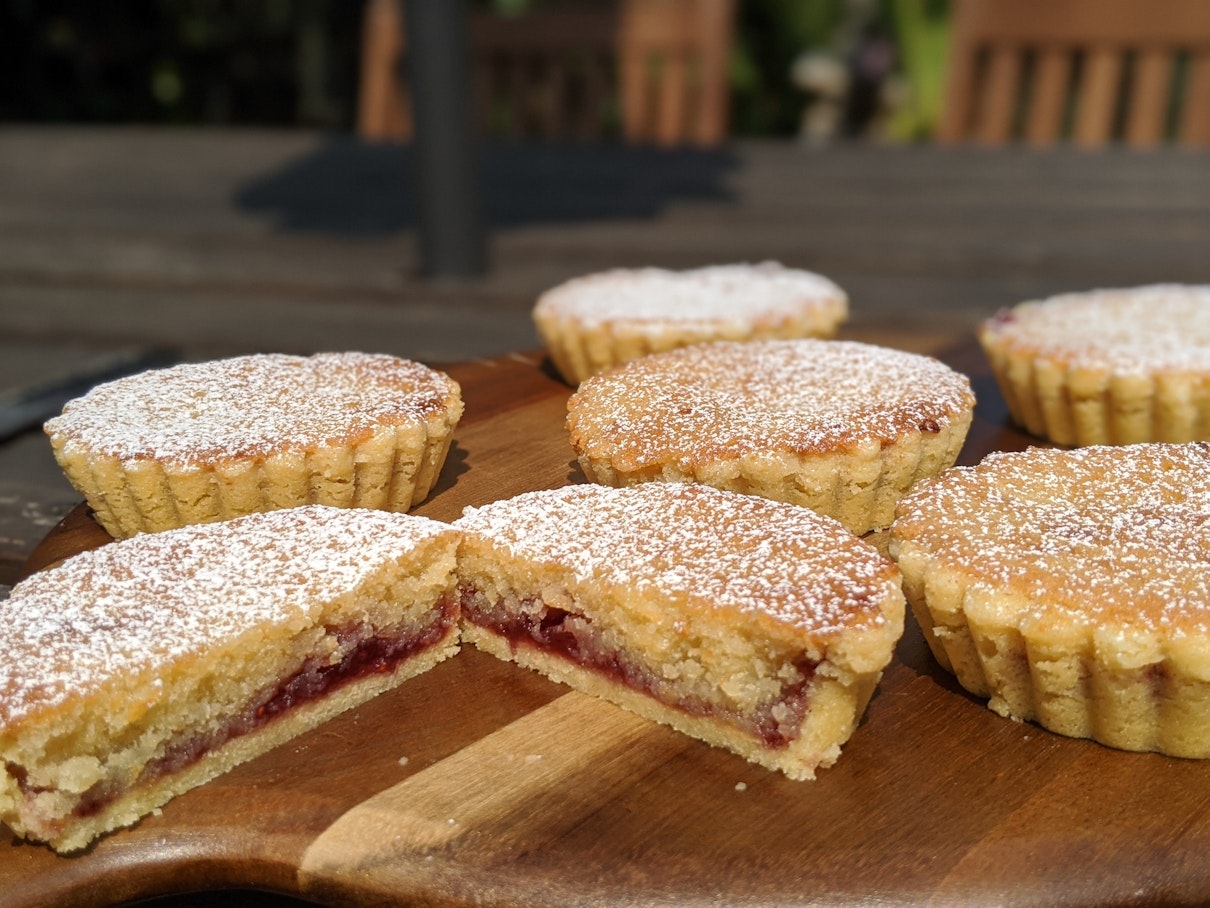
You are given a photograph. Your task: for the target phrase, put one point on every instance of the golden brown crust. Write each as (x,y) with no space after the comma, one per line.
(595,322)
(840,427)
(1119,366)
(209,441)
(1072,588)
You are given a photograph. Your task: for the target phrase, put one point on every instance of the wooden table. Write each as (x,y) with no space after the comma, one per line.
(480,782)
(214,242)
(211,243)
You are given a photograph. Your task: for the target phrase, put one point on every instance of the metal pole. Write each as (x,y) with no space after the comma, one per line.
(453,240)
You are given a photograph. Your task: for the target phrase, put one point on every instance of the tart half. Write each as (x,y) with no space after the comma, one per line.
(141,669)
(756,626)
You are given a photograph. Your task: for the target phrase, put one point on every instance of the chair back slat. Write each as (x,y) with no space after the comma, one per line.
(1194,123)
(381,112)
(1149,92)
(674,57)
(1098,93)
(1048,97)
(998,104)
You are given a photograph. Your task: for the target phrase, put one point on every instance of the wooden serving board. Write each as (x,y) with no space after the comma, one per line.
(480,782)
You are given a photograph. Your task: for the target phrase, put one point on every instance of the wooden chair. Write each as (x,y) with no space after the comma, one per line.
(1088,72)
(650,70)
(673,61)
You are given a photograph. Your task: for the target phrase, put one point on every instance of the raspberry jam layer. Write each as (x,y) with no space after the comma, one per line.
(530,623)
(366,654)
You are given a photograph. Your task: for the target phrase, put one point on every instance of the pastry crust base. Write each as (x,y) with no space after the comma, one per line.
(142,800)
(393,469)
(580,351)
(842,428)
(1146,696)
(1071,588)
(595,322)
(1112,366)
(1094,406)
(835,708)
(89,748)
(756,627)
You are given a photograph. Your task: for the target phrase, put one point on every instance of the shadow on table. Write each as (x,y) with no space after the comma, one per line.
(352,187)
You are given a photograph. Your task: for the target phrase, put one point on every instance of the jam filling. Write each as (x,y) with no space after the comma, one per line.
(367,655)
(531,623)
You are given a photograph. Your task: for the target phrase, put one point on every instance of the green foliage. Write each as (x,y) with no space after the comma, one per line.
(922,34)
(770,34)
(178,61)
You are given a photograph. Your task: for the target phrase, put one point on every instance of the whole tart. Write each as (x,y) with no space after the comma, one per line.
(1072,588)
(840,427)
(201,442)
(752,625)
(1117,366)
(141,669)
(594,322)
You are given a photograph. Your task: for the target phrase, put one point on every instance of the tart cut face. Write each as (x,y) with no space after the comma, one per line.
(1072,588)
(141,669)
(754,625)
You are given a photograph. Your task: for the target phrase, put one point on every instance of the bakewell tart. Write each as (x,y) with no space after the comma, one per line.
(201,442)
(591,323)
(141,669)
(1071,587)
(755,626)
(840,427)
(1118,366)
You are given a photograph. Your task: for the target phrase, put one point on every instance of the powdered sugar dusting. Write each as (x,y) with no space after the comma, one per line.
(1102,536)
(710,549)
(727,400)
(251,406)
(726,294)
(1152,328)
(130,608)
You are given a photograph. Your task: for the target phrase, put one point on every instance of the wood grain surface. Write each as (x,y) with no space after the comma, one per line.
(482,783)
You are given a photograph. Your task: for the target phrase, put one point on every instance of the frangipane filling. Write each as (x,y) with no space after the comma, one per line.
(531,623)
(366,653)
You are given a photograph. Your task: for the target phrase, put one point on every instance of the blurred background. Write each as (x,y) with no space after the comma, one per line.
(295,63)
